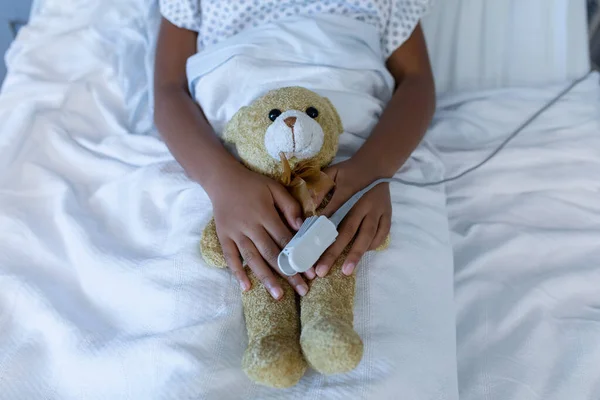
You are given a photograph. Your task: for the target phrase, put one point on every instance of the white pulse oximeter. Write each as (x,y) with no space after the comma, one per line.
(304,250)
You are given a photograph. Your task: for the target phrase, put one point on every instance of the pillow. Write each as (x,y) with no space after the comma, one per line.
(485,44)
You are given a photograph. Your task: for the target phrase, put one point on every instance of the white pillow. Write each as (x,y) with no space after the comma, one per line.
(484,44)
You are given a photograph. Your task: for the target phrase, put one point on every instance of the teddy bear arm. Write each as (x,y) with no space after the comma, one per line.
(210,247)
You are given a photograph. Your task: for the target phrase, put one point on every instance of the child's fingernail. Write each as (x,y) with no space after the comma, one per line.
(347,269)
(302,289)
(321,270)
(276,292)
(299,223)
(245,286)
(310,274)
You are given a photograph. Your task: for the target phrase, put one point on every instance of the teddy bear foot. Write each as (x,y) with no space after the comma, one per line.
(331,346)
(274,361)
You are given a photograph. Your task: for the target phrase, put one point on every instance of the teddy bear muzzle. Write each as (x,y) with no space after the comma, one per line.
(295,134)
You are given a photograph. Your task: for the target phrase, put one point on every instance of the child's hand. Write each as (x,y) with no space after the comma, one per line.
(368,223)
(247,209)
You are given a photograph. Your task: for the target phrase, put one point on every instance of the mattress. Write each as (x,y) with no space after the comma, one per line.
(102,294)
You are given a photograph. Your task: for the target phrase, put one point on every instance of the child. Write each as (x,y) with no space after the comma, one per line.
(250,227)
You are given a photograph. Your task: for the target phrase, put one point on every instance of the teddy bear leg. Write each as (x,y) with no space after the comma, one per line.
(273,357)
(329,342)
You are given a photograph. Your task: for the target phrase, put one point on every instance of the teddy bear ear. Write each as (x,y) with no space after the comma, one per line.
(338,120)
(230,133)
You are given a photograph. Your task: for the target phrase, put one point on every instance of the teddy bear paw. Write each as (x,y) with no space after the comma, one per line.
(331,346)
(274,361)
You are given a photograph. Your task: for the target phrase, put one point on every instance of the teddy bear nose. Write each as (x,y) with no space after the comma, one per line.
(290,121)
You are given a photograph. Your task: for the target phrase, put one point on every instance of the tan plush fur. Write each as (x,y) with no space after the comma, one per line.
(281,341)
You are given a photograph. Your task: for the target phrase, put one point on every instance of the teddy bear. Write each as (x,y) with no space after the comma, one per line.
(290,134)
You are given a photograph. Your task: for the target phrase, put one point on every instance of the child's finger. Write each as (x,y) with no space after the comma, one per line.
(297,283)
(383,230)
(266,247)
(288,206)
(336,202)
(278,231)
(233,260)
(348,230)
(310,274)
(361,245)
(256,263)
(269,250)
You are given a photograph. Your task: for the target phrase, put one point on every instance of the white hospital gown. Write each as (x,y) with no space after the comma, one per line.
(216,20)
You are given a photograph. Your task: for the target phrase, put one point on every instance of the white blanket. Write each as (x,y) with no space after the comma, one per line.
(103,294)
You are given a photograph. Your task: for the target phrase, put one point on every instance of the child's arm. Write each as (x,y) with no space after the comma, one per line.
(245,204)
(399,131)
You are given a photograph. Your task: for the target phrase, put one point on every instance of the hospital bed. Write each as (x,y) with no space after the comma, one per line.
(103,296)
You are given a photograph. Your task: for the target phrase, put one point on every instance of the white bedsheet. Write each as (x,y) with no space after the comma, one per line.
(526,236)
(103,294)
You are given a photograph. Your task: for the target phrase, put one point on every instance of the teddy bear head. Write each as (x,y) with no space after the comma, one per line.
(292,121)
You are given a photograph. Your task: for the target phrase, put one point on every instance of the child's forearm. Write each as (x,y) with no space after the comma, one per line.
(180,121)
(407,116)
(191,139)
(400,129)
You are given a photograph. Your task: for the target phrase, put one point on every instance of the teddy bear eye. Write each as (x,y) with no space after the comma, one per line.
(312,112)
(273,114)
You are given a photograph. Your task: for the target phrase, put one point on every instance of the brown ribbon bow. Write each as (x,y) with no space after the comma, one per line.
(306,183)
